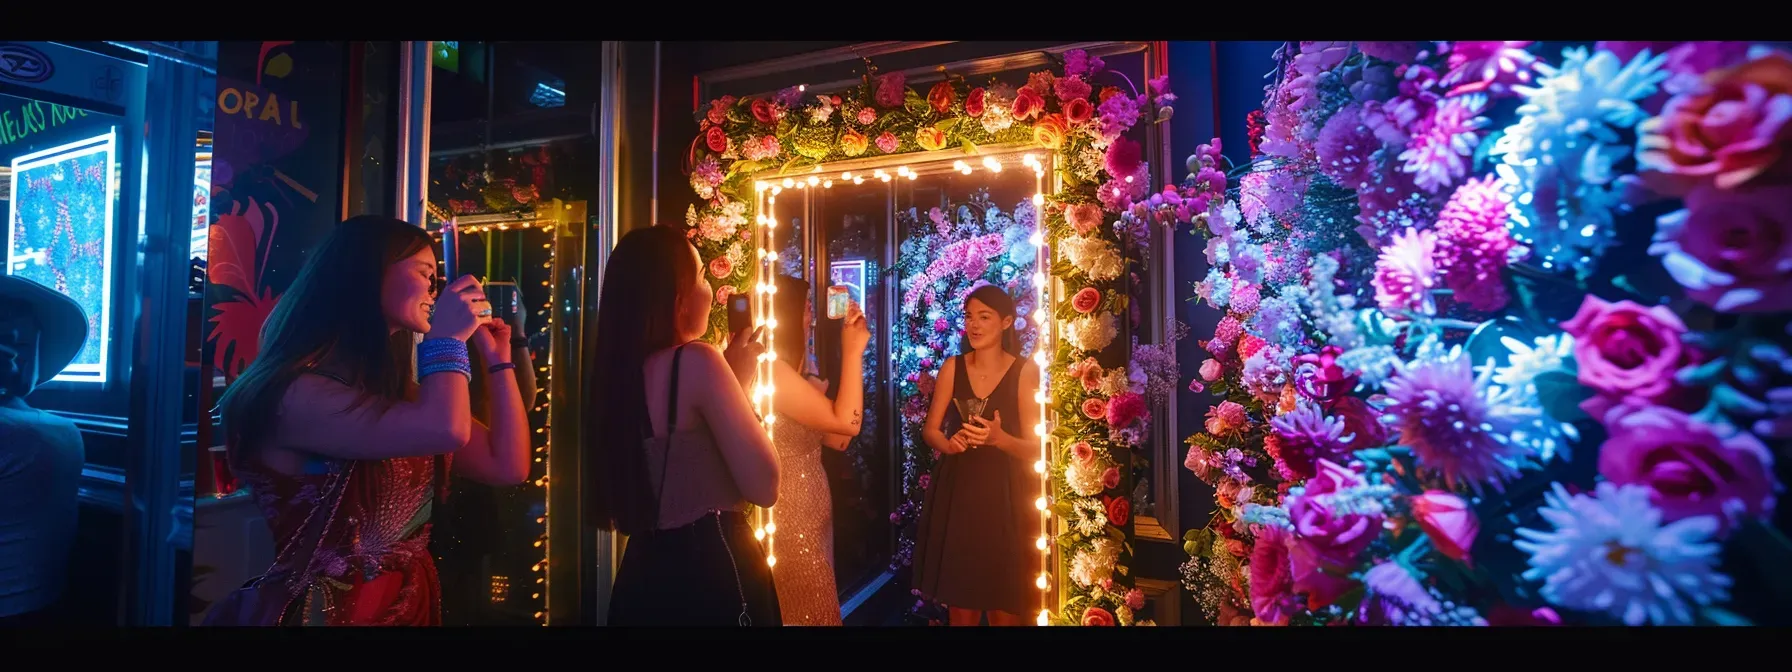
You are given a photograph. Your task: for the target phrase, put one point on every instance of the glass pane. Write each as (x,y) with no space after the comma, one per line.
(851,229)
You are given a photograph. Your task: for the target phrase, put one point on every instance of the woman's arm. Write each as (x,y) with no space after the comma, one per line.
(737,433)
(498,455)
(315,417)
(525,373)
(936,411)
(798,401)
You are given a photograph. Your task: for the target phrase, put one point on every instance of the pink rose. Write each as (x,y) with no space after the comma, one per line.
(1084,217)
(1027,104)
(1094,408)
(867,116)
(1110,478)
(1448,522)
(1081,452)
(720,267)
(1626,350)
(1732,248)
(1327,541)
(1135,599)
(1086,300)
(973,103)
(1195,460)
(1097,616)
(722,294)
(1078,111)
(1272,581)
(887,142)
(1211,370)
(1726,132)
(1690,467)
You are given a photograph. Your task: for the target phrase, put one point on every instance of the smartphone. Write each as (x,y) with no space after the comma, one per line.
(740,313)
(839,297)
(507,301)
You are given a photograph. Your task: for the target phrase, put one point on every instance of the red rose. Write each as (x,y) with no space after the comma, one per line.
(1027,104)
(1119,509)
(1448,522)
(1086,299)
(1095,408)
(973,103)
(1078,110)
(765,112)
(1097,616)
(716,139)
(940,97)
(720,267)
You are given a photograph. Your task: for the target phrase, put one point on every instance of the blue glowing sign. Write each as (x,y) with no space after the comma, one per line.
(59,230)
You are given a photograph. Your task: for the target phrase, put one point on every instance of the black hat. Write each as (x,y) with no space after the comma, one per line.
(59,318)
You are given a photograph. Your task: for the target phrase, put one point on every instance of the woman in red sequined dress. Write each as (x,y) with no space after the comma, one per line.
(345,450)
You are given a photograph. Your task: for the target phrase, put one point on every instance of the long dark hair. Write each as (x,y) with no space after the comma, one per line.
(999,301)
(637,314)
(787,307)
(329,318)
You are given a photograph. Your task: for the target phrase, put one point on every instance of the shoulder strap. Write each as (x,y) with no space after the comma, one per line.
(659,495)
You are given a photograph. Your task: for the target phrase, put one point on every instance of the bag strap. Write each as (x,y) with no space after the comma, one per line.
(671,421)
(315,529)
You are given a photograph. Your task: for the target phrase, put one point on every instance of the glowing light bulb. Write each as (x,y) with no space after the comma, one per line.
(1039,503)
(1039,467)
(858,180)
(1045,618)
(1037,239)
(759,534)
(813,180)
(1039,281)
(847,175)
(771,528)
(771,561)
(912,176)
(1042,543)
(788,183)
(771,419)
(827,184)
(1038,199)
(771,256)
(1041,582)
(990,163)
(1039,429)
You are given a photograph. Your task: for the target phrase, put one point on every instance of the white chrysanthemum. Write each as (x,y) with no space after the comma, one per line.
(1084,478)
(1610,553)
(1095,257)
(1566,143)
(1115,381)
(1089,518)
(1091,333)
(1527,361)
(1089,566)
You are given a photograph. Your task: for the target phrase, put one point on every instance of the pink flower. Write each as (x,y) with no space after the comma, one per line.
(1361,421)
(1211,370)
(1472,243)
(1097,616)
(1135,599)
(1084,217)
(973,102)
(887,142)
(1626,351)
(1729,131)
(1448,522)
(1195,460)
(867,116)
(722,294)
(721,267)
(1126,408)
(1405,274)
(1086,300)
(1027,104)
(1124,157)
(1272,581)
(1328,537)
(1732,248)
(891,90)
(1081,452)
(1393,52)
(1072,88)
(1693,469)
(1110,479)
(1227,418)
(1346,147)
(1095,408)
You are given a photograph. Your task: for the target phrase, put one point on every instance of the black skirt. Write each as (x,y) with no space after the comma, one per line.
(708,573)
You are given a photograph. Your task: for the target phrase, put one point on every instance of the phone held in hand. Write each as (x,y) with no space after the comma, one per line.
(839,297)
(740,315)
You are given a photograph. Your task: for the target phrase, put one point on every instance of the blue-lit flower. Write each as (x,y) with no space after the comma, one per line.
(1545,437)
(1457,423)
(1557,160)
(1610,553)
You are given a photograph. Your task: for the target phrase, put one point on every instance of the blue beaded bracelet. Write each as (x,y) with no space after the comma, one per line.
(439,355)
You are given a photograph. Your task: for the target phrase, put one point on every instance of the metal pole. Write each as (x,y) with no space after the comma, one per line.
(401,195)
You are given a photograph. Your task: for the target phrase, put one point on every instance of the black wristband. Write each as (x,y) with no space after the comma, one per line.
(500,367)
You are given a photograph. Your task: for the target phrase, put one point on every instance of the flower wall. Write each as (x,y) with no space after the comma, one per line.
(1092,225)
(1503,339)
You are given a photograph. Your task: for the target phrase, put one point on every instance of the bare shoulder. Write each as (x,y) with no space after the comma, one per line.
(947,367)
(1029,370)
(310,394)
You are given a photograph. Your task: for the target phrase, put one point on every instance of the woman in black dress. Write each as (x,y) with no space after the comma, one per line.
(976,551)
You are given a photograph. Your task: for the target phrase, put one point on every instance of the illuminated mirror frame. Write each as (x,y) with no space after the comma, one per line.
(990,159)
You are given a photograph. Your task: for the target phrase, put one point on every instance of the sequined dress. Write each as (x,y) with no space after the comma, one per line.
(375,560)
(804,545)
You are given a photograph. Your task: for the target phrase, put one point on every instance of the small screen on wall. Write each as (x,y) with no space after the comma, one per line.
(447,56)
(60,230)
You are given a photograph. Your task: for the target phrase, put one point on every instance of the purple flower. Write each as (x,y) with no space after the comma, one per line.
(1452,423)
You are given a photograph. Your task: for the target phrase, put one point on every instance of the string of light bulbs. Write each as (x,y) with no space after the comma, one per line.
(1043,322)
(765,388)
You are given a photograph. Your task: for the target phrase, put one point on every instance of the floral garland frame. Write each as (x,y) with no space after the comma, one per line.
(1100,174)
